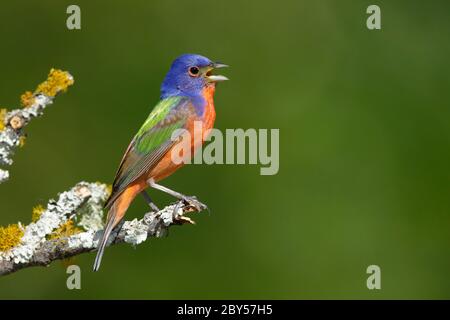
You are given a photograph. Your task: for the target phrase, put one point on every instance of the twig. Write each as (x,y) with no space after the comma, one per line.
(13,122)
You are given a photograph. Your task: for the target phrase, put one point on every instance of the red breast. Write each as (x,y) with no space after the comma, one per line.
(166,166)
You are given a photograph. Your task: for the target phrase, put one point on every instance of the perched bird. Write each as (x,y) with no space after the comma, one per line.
(186,97)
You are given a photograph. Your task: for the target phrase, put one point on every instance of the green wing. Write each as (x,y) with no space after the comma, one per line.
(152,142)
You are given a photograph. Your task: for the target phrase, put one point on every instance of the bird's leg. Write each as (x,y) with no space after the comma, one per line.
(149,201)
(190,200)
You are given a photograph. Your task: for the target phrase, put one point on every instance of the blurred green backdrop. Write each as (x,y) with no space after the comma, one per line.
(364,124)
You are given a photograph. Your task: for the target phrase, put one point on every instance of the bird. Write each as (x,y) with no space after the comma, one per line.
(187,98)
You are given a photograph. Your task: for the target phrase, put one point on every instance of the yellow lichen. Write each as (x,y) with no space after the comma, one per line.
(65,230)
(37,212)
(109,189)
(57,81)
(27,99)
(68,262)
(10,236)
(22,140)
(3,113)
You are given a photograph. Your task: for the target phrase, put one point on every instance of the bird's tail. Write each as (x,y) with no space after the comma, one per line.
(104,239)
(115,214)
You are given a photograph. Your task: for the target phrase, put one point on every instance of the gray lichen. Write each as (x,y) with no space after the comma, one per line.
(10,137)
(84,194)
(4,175)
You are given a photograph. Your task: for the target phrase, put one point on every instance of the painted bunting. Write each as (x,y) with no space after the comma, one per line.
(187,94)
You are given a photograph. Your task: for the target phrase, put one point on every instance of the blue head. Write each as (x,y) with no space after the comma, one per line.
(189,75)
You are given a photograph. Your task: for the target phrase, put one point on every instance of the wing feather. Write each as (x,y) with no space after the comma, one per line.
(152,142)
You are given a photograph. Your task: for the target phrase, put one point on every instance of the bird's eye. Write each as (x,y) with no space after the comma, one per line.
(193,71)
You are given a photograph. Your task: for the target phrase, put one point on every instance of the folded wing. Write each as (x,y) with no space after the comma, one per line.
(152,142)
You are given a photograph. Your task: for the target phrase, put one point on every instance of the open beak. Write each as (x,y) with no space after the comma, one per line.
(215,77)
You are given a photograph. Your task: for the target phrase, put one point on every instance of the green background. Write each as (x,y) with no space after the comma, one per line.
(364,125)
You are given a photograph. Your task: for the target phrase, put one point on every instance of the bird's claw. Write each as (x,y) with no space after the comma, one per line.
(179,218)
(184,220)
(195,204)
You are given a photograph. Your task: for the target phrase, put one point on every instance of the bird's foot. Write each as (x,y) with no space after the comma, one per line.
(184,220)
(180,218)
(194,203)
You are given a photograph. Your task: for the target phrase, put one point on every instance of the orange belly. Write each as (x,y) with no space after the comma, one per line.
(166,166)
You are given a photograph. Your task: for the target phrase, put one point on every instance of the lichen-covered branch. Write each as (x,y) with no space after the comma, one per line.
(71,225)
(13,122)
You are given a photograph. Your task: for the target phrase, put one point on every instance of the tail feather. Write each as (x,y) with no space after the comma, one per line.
(104,239)
(117,210)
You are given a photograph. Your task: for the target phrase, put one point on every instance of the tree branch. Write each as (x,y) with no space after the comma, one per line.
(40,244)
